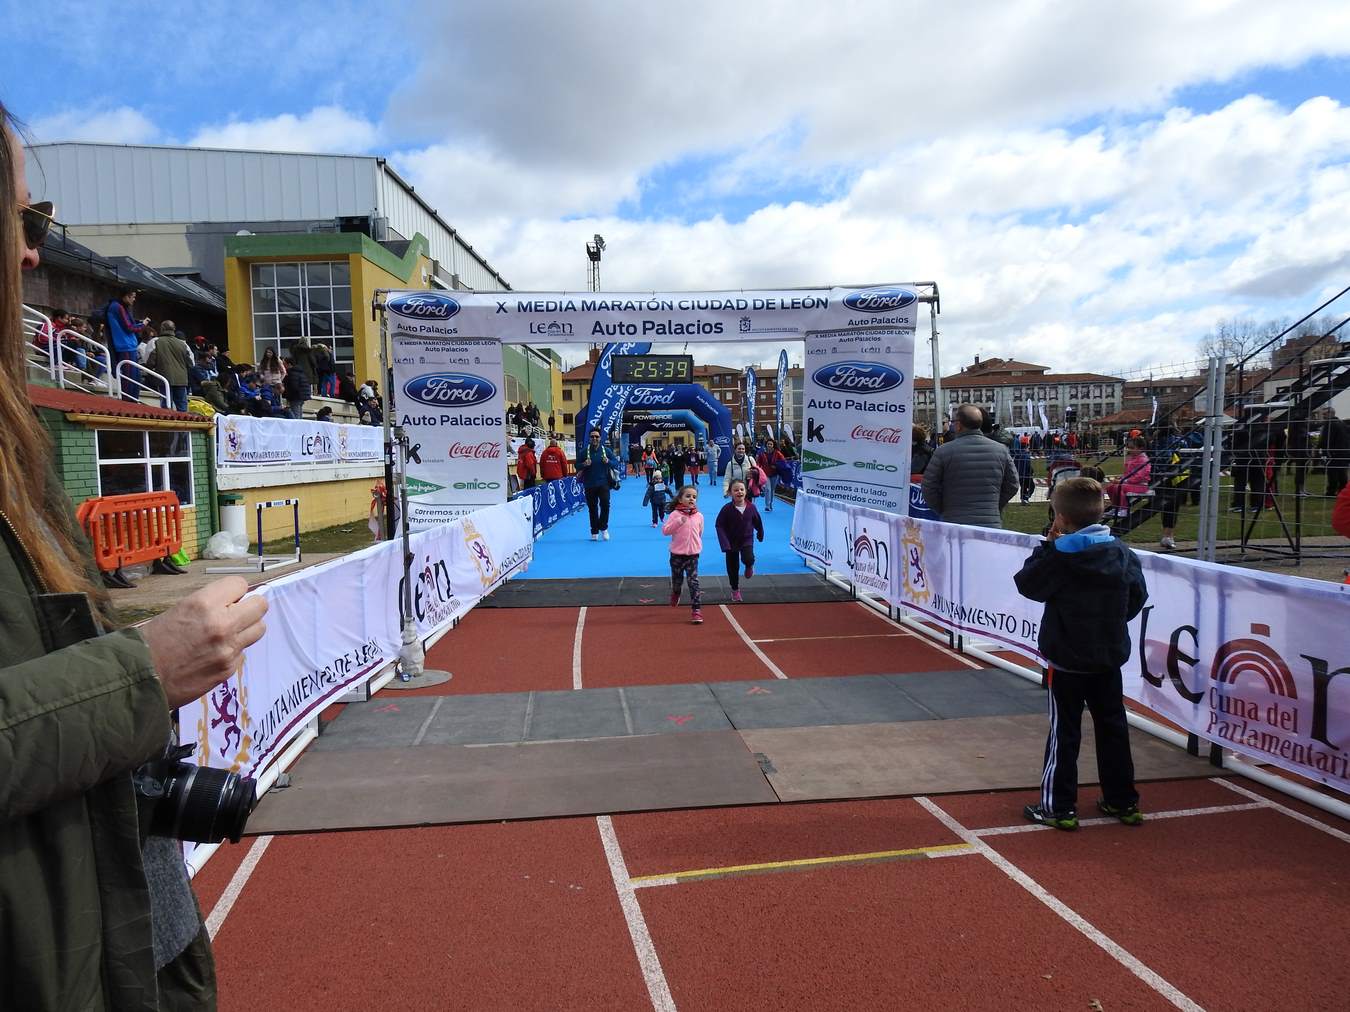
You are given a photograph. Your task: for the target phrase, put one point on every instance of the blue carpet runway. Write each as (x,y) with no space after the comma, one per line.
(635,548)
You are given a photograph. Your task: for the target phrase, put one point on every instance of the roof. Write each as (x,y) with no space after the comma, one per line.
(1142,417)
(61,251)
(1038,379)
(1003,365)
(79,402)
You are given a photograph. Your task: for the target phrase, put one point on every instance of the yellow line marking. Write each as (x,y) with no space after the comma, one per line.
(807,862)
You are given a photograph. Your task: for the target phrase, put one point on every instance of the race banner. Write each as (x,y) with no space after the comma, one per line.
(554,500)
(1250,661)
(751,389)
(449,396)
(857,399)
(719,317)
(335,625)
(780,383)
(245,441)
(607,400)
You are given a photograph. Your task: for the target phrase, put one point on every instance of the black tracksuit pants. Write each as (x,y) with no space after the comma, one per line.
(735,556)
(597,504)
(1103,694)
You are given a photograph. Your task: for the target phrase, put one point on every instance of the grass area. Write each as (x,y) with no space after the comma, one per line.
(1315,519)
(339,539)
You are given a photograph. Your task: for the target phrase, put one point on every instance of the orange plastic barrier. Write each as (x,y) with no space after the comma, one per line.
(127,529)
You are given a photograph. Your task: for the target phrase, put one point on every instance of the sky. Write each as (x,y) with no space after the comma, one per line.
(1092,186)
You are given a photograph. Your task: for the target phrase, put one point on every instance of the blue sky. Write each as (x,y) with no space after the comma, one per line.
(1075,178)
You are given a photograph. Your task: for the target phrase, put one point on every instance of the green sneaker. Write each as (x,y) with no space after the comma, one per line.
(1056,820)
(1128,815)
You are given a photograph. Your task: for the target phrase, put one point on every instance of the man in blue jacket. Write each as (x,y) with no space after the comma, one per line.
(596,463)
(123,331)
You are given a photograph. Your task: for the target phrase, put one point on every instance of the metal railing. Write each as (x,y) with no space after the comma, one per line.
(74,360)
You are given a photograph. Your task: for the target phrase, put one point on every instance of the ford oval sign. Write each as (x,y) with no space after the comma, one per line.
(858,377)
(450,389)
(423,306)
(880,300)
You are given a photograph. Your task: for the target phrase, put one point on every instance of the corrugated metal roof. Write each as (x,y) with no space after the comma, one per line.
(59,250)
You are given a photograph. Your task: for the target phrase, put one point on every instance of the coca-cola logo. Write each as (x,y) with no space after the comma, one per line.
(486,450)
(888,434)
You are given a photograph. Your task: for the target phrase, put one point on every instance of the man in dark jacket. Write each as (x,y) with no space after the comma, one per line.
(296,389)
(1092,586)
(970,478)
(595,463)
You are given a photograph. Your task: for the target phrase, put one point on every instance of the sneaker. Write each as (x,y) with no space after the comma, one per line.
(736,597)
(674,600)
(1128,815)
(749,571)
(1056,820)
(1168,542)
(604,535)
(653,523)
(697,617)
(595,537)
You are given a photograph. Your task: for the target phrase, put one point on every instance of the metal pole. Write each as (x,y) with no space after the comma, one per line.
(937,370)
(386,371)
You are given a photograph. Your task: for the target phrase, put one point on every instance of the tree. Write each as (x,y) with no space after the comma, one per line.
(1238,337)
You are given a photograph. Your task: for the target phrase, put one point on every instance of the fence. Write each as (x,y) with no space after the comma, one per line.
(128,529)
(1241,659)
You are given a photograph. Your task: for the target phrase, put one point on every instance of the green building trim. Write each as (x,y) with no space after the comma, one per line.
(318,244)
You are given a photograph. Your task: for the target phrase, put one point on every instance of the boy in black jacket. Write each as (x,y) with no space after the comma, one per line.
(1092,586)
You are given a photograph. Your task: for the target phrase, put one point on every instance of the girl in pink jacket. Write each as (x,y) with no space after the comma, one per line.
(1135,476)
(685,527)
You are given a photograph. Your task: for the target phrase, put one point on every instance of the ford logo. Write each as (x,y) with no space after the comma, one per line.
(423,306)
(858,377)
(450,389)
(880,300)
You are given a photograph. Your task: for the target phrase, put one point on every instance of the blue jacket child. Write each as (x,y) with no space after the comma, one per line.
(658,496)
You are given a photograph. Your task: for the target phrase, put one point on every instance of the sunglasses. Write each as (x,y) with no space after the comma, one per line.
(37,221)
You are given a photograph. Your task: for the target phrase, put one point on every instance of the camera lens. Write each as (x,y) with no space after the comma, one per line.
(205,805)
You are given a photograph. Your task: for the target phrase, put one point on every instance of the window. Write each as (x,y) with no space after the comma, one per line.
(568,419)
(567,393)
(131,461)
(291,301)
(1096,390)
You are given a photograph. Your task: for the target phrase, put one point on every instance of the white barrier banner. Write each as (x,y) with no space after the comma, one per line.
(449,396)
(335,625)
(602,317)
(857,396)
(245,441)
(1257,662)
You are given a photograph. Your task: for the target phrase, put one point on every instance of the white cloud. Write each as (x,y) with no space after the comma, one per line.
(122,125)
(325,128)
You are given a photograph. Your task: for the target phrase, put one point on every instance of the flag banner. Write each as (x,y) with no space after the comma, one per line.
(553,500)
(335,625)
(780,384)
(719,317)
(245,441)
(856,400)
(751,390)
(449,395)
(1244,659)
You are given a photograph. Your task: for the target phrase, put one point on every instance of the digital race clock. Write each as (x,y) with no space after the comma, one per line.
(652,368)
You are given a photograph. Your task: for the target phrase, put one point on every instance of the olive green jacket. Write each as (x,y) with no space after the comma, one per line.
(78,711)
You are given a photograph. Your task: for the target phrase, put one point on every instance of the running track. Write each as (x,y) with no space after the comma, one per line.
(1230,897)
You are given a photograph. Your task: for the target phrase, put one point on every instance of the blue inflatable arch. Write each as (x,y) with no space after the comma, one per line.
(654,398)
(636,424)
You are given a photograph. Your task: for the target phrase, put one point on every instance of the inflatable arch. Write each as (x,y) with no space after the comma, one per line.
(671,397)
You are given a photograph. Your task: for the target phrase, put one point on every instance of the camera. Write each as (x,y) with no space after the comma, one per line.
(194,803)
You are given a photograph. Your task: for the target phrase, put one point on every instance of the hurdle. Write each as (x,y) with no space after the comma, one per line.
(262,563)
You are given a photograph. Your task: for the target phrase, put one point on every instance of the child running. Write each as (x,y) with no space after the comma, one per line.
(738,525)
(658,492)
(685,526)
(1092,586)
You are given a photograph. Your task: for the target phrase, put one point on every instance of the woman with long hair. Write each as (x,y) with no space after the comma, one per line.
(271,370)
(95,912)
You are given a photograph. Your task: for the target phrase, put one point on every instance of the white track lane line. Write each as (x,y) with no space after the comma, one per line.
(241,876)
(426,724)
(576,650)
(1263,802)
(919,636)
(777,671)
(1176,813)
(657,988)
(1067,914)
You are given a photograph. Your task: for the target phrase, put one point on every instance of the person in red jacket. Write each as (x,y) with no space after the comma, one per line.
(770,461)
(1340,513)
(527,465)
(552,463)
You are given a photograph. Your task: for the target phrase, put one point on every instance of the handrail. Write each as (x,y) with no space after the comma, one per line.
(122,376)
(97,351)
(34,323)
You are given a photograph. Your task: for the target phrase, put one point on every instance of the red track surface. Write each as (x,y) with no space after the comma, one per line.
(1233,910)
